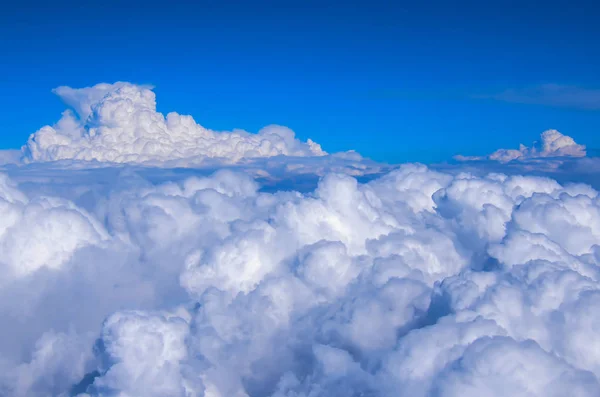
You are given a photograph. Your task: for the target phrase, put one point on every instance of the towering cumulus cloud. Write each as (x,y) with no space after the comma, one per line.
(119,123)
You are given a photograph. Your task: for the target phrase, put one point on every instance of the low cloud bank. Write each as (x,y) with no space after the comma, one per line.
(419,282)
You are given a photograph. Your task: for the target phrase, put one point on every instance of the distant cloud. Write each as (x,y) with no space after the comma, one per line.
(552,144)
(558,95)
(118,123)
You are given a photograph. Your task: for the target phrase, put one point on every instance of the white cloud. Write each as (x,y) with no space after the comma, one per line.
(496,367)
(143,352)
(128,280)
(553,144)
(119,123)
(41,233)
(420,281)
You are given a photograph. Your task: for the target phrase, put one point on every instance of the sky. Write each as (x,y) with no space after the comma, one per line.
(252,250)
(395,80)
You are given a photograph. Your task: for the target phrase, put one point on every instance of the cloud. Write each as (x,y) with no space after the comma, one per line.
(9,157)
(140,281)
(553,144)
(119,123)
(272,269)
(41,233)
(556,95)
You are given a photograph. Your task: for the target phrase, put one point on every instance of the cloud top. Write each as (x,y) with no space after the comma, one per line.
(119,123)
(419,282)
(552,144)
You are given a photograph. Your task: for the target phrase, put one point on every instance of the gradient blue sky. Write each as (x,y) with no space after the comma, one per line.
(396,81)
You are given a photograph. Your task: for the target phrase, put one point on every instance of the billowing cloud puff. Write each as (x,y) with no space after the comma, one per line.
(143,352)
(118,123)
(43,232)
(132,282)
(552,144)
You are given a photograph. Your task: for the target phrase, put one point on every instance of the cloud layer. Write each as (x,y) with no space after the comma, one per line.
(130,280)
(119,123)
(419,283)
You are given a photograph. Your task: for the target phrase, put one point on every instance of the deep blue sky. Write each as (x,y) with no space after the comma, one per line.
(394,80)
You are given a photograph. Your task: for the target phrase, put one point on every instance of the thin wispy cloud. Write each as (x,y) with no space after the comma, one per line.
(557,95)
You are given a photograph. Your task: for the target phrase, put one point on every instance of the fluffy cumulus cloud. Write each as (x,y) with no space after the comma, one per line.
(552,144)
(119,123)
(417,283)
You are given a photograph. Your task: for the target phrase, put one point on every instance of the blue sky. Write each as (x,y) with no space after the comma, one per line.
(393,80)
